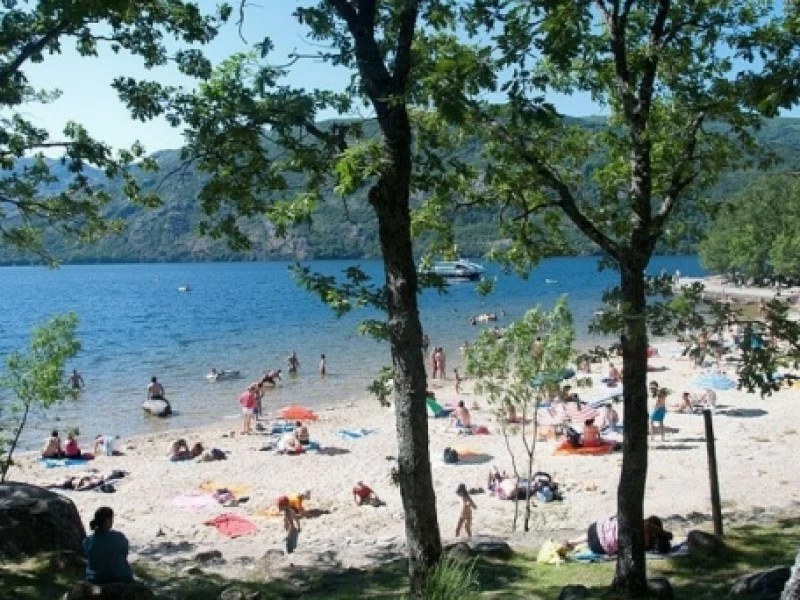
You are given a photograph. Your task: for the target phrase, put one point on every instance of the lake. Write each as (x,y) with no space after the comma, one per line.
(134,323)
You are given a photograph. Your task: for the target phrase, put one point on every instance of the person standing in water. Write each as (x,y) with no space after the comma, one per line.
(293,362)
(323,368)
(76,380)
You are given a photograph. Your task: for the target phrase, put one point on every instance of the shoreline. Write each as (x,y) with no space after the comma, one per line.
(754,451)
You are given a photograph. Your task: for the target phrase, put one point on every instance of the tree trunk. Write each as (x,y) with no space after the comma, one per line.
(390,198)
(13,446)
(631,572)
(792,589)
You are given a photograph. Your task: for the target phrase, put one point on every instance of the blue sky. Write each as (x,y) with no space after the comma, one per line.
(89,99)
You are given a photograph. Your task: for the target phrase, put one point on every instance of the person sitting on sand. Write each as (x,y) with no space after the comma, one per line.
(180,450)
(71,448)
(612,418)
(461,417)
(591,434)
(603,536)
(302,434)
(658,414)
(613,374)
(363,494)
(289,443)
(104,443)
(708,399)
(467,506)
(585,365)
(106,551)
(52,447)
(684,405)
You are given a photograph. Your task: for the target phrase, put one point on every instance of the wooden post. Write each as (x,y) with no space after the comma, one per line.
(716,507)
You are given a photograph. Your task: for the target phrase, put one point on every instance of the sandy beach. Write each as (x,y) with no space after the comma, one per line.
(756,442)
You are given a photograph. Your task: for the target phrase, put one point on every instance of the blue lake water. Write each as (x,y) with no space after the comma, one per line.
(134,323)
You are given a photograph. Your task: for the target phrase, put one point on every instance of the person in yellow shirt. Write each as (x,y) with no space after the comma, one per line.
(296,502)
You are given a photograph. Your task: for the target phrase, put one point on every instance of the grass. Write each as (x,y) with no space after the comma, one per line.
(750,548)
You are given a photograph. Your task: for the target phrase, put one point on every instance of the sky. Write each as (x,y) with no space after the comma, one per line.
(87,96)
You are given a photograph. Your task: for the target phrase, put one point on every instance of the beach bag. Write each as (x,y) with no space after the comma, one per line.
(573,438)
(450,456)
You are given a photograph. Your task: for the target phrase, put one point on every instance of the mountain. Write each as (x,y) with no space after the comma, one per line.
(168,233)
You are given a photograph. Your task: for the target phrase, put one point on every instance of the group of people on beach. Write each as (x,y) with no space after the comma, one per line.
(55,448)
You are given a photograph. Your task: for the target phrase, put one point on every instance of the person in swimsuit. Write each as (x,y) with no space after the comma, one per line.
(293,363)
(52,447)
(461,417)
(323,367)
(301,433)
(76,380)
(363,494)
(658,414)
(155,391)
(467,506)
(591,434)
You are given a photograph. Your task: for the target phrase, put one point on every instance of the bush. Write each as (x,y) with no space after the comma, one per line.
(452,579)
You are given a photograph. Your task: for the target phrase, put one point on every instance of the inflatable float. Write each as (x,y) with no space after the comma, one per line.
(157,408)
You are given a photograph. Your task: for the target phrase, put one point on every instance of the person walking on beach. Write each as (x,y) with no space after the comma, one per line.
(659,413)
(442,363)
(76,380)
(323,369)
(293,362)
(434,363)
(155,391)
(426,342)
(458,381)
(291,524)
(467,506)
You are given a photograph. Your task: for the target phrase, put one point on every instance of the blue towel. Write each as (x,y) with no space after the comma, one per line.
(355,434)
(52,463)
(589,557)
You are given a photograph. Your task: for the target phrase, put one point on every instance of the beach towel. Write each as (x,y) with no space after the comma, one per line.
(52,463)
(281,427)
(231,525)
(584,555)
(436,410)
(566,449)
(212,486)
(194,501)
(268,512)
(355,434)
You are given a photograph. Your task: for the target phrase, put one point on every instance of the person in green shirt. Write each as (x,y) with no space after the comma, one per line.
(106,551)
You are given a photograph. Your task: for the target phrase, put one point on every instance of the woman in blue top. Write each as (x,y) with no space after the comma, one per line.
(106,551)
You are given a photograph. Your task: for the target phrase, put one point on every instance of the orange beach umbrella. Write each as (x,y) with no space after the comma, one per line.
(295,412)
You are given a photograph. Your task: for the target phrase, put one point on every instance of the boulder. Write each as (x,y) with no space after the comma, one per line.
(209,556)
(792,589)
(704,544)
(109,591)
(492,549)
(574,592)
(660,588)
(35,520)
(237,593)
(458,550)
(764,585)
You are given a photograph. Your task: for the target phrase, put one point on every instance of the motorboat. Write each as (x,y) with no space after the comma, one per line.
(158,407)
(185,288)
(223,375)
(456,270)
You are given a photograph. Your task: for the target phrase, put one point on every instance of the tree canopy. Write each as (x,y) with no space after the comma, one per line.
(30,32)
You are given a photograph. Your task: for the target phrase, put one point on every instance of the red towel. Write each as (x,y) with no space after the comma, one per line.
(231,525)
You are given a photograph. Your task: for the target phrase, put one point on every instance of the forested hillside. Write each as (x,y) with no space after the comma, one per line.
(338,229)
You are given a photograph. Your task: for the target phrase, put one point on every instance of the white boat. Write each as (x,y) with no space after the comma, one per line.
(456,270)
(223,375)
(157,407)
(185,288)
(551,280)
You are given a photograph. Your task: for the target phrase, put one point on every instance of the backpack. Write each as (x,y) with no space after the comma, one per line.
(450,456)
(573,438)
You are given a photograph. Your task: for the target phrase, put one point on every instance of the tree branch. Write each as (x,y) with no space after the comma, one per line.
(645,92)
(32,48)
(405,36)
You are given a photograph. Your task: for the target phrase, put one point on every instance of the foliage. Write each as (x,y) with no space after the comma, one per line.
(684,91)
(37,378)
(452,579)
(33,195)
(510,372)
(742,241)
(382,386)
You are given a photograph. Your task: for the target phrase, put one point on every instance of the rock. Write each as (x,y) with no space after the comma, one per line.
(492,549)
(274,554)
(193,571)
(34,520)
(237,593)
(764,585)
(458,550)
(792,589)
(109,591)
(209,556)
(702,543)
(660,588)
(573,592)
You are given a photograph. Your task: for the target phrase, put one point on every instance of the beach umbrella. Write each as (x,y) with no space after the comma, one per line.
(714,381)
(554,377)
(295,412)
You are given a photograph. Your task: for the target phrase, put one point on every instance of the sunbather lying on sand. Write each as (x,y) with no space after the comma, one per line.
(180,450)
(84,482)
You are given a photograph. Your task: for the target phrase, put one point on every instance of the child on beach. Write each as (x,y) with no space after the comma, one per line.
(290,524)
(467,506)
(659,412)
(458,381)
